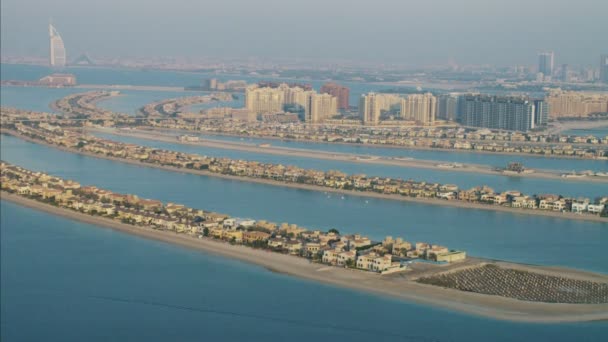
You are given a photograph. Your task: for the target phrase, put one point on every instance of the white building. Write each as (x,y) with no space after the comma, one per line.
(57,55)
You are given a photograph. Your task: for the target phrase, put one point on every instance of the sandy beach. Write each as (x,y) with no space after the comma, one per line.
(346,157)
(396,286)
(560,126)
(433,201)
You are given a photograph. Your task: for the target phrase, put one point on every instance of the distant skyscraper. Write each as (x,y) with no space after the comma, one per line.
(545,63)
(340,92)
(420,108)
(57,55)
(498,112)
(541,113)
(369,109)
(604,69)
(565,73)
(447,107)
(264,100)
(320,107)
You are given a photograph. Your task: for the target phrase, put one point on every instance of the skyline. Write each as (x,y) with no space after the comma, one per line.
(401,36)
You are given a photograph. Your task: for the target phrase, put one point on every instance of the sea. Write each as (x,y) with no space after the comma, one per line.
(69,281)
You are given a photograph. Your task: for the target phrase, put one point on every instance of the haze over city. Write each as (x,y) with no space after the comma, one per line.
(410,33)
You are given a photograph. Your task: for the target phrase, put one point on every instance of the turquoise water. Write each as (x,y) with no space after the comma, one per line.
(462,179)
(598,132)
(67,281)
(131,100)
(92,75)
(498,235)
(39,98)
(496,160)
(34,98)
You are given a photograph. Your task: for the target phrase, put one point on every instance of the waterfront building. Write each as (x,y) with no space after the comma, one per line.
(497,112)
(211,84)
(268,100)
(451,256)
(320,107)
(341,93)
(372,105)
(369,110)
(545,64)
(604,68)
(420,108)
(58,80)
(57,55)
(541,113)
(264,100)
(575,104)
(387,101)
(447,107)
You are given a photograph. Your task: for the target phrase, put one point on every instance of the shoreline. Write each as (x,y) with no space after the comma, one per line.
(561,126)
(132,87)
(396,287)
(402,147)
(341,156)
(433,201)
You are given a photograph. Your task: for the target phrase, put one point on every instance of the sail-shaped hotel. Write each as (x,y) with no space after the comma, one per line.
(57,54)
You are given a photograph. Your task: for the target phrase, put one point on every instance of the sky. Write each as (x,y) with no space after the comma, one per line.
(417,33)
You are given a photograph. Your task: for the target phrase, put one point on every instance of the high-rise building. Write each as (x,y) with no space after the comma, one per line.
(268,100)
(447,107)
(545,63)
(341,93)
(497,112)
(369,109)
(264,100)
(604,69)
(320,107)
(420,108)
(541,113)
(211,84)
(57,55)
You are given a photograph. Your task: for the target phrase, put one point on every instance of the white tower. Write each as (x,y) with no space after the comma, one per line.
(57,55)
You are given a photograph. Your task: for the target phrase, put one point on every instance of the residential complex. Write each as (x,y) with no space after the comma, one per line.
(420,108)
(320,107)
(372,105)
(447,106)
(569,104)
(369,110)
(264,100)
(341,93)
(351,251)
(269,100)
(232,85)
(67,137)
(500,112)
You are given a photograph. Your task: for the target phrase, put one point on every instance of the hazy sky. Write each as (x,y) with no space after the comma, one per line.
(419,32)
